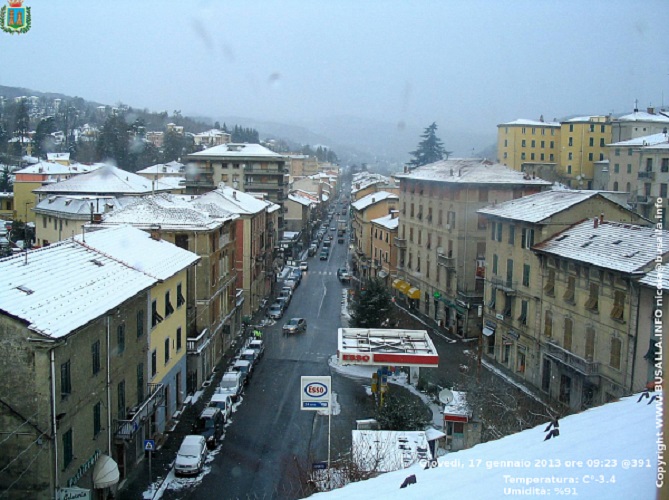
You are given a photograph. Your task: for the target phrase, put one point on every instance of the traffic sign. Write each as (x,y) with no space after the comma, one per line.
(319,465)
(149,444)
(315,392)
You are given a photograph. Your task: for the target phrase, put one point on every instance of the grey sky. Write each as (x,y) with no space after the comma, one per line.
(467,65)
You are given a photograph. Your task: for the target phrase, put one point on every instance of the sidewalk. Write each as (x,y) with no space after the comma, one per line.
(137,481)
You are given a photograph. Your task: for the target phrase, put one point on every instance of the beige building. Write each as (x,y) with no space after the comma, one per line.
(639,124)
(442,239)
(383,232)
(514,284)
(365,183)
(364,211)
(302,165)
(250,168)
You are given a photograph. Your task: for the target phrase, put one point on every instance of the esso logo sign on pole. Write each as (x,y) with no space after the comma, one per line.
(315,390)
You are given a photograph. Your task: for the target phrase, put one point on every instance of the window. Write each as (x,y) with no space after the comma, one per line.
(533,143)
(493,299)
(616,348)
(618,311)
(499,232)
(155,317)
(543,143)
(663,190)
(523,312)
(602,128)
(167,350)
(520,360)
(616,168)
(120,338)
(509,273)
(522,156)
(551,157)
(601,142)
(140,383)
(592,142)
(65,380)
(593,300)
(494,264)
(665,165)
(531,156)
(526,275)
(615,186)
(568,330)
(68,452)
(522,143)
(95,357)
(179,340)
(154,363)
(527,238)
(180,296)
(140,323)
(552,144)
(120,401)
(168,305)
(97,419)
(629,168)
(590,343)
(649,164)
(570,156)
(548,324)
(616,152)
(549,287)
(571,288)
(571,141)
(508,305)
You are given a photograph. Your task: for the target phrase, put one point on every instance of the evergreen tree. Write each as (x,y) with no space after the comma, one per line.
(372,306)
(430,149)
(6,185)
(22,120)
(402,413)
(43,142)
(113,141)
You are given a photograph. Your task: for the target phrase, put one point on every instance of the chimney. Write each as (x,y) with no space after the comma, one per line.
(155,232)
(234,195)
(451,172)
(601,218)
(97,218)
(596,222)
(651,110)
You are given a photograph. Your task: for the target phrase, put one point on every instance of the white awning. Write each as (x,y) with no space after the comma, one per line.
(105,473)
(488,331)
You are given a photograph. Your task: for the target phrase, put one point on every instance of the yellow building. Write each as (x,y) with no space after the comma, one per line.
(583,142)
(523,142)
(384,251)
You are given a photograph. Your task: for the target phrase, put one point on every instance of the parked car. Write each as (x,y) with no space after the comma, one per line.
(295,325)
(210,424)
(312,249)
(290,283)
(283,302)
(245,368)
(324,254)
(285,293)
(304,266)
(275,311)
(191,456)
(249,355)
(258,346)
(224,403)
(296,275)
(232,385)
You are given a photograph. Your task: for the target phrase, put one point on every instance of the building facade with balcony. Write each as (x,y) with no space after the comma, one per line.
(514,285)
(363,212)
(212,319)
(589,340)
(75,374)
(255,239)
(441,242)
(384,251)
(250,168)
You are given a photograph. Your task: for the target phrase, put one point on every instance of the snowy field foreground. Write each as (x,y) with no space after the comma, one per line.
(606,452)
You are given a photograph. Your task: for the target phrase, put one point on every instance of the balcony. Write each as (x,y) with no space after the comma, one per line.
(400,242)
(647,175)
(196,344)
(126,429)
(643,199)
(506,286)
(202,178)
(444,260)
(587,368)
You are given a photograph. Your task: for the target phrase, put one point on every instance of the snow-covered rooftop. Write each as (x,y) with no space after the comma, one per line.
(586,118)
(106,180)
(387,221)
(643,116)
(231,200)
(590,458)
(458,405)
(658,278)
(299,197)
(67,284)
(539,206)
(372,198)
(530,123)
(238,150)
(172,167)
(471,171)
(81,205)
(52,168)
(646,140)
(625,248)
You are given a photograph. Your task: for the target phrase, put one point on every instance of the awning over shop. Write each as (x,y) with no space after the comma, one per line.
(105,472)
(413,293)
(488,331)
(401,285)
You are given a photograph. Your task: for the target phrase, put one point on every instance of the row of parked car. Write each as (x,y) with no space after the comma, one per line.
(208,429)
(292,281)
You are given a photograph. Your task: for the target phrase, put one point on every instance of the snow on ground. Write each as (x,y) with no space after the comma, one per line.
(336,407)
(605,452)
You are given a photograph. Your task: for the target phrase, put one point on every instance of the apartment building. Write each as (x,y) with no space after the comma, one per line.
(583,142)
(514,284)
(522,142)
(384,252)
(442,239)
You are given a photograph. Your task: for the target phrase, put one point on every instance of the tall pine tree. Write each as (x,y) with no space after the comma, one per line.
(430,149)
(372,307)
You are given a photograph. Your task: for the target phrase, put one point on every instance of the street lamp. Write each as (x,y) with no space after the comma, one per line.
(25,227)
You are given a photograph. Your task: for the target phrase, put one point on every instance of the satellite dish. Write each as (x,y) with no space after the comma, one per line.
(446,396)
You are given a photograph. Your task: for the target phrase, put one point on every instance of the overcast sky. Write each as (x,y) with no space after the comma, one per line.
(464,64)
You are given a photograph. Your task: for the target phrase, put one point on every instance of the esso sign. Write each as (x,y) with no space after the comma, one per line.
(315,390)
(362,358)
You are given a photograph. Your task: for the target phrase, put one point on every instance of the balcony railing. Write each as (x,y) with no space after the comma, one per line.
(126,429)
(195,344)
(445,261)
(506,286)
(400,242)
(647,175)
(579,364)
(643,199)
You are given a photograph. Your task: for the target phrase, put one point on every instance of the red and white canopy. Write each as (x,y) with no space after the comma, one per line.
(386,347)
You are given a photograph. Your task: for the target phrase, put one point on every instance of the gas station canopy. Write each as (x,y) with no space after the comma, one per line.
(386,347)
